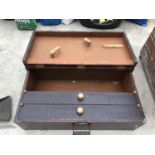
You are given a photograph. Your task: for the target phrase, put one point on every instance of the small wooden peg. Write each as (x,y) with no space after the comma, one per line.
(113,46)
(87,41)
(54,52)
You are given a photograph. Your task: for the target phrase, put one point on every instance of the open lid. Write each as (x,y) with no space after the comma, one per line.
(75,52)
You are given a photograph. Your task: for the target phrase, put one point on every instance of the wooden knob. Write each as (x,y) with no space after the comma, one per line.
(80,110)
(80,96)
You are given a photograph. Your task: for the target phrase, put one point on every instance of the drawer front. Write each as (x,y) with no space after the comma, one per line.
(46,110)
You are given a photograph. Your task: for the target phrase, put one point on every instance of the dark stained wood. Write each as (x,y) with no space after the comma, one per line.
(60,108)
(76,80)
(148,60)
(103,110)
(49,97)
(149,69)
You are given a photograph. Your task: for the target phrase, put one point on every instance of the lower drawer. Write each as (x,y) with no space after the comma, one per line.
(108,103)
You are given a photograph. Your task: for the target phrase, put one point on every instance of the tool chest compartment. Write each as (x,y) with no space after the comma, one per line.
(50,100)
(74,53)
(80,89)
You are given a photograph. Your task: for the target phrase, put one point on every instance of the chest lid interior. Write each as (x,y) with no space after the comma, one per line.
(75,52)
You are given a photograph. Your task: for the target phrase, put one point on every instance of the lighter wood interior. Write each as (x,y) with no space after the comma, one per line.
(86,81)
(74,51)
(80,85)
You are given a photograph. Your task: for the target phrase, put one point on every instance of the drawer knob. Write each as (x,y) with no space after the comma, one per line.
(80,96)
(80,110)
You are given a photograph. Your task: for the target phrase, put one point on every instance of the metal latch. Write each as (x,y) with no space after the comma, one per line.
(81,128)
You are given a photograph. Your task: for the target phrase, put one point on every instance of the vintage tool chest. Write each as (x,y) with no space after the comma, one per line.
(83,88)
(148,60)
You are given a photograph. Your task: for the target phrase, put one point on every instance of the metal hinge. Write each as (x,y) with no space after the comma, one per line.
(81,128)
(121,67)
(81,67)
(39,66)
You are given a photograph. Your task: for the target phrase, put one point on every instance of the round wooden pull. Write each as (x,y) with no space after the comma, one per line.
(80,110)
(80,96)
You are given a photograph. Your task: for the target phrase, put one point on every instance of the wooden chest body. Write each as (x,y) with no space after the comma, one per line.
(104,75)
(148,60)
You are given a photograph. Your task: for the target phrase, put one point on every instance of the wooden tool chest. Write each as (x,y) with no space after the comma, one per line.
(85,87)
(148,60)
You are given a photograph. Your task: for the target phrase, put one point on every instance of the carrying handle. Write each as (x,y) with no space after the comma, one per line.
(81,128)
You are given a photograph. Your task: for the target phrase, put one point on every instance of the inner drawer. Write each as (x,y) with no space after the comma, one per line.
(79,80)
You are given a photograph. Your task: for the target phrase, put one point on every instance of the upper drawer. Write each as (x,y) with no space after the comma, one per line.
(107,50)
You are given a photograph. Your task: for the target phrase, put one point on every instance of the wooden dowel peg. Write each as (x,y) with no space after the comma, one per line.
(87,41)
(112,46)
(55,51)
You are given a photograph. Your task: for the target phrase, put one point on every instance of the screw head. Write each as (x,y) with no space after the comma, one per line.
(21,103)
(136,126)
(25,91)
(144,121)
(134,91)
(80,96)
(80,110)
